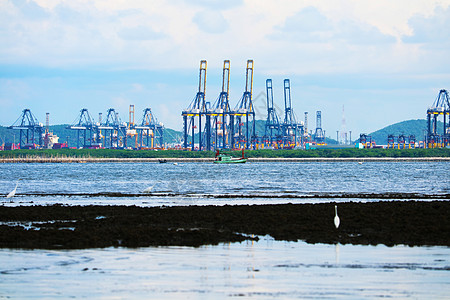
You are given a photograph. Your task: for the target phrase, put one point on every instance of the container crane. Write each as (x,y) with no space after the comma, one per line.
(319,136)
(151,129)
(291,128)
(197,109)
(272,129)
(244,109)
(441,106)
(30,130)
(115,131)
(85,127)
(131,130)
(221,112)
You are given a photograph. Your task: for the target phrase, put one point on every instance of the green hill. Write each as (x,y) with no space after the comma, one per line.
(410,127)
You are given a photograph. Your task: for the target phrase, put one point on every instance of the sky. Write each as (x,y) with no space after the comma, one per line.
(375,62)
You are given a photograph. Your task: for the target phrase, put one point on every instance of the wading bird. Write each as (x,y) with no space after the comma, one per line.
(13,192)
(336,217)
(149,189)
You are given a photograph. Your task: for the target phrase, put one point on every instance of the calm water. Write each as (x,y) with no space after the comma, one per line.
(201,183)
(263,270)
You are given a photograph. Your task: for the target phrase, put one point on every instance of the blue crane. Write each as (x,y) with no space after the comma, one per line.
(30,130)
(272,129)
(150,128)
(291,129)
(319,136)
(197,109)
(244,109)
(115,131)
(85,127)
(441,106)
(221,112)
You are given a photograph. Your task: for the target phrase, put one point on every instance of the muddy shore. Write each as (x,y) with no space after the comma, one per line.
(413,223)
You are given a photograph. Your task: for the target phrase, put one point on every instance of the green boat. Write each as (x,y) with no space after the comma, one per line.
(227,159)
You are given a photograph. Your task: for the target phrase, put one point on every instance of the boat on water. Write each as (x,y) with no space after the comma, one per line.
(227,159)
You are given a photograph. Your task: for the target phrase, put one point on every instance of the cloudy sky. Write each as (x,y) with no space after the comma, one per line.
(384,61)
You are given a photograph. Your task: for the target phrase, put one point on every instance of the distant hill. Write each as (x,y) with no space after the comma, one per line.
(410,127)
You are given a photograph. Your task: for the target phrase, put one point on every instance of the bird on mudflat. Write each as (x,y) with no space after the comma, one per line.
(336,218)
(13,192)
(149,189)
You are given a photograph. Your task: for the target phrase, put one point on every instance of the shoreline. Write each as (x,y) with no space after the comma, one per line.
(210,160)
(412,223)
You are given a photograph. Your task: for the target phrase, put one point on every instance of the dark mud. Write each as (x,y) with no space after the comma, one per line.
(75,227)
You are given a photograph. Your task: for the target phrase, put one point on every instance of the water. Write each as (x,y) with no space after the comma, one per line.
(265,269)
(207,183)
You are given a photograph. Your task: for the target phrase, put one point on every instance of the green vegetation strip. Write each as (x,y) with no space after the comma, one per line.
(318,153)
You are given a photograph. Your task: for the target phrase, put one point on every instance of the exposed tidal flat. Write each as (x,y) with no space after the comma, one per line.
(412,223)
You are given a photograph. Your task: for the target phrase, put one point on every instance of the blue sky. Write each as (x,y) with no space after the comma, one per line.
(384,61)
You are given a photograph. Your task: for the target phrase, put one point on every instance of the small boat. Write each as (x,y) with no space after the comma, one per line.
(227,159)
(163,161)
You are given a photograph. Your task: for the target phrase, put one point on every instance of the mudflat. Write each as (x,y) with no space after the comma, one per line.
(413,223)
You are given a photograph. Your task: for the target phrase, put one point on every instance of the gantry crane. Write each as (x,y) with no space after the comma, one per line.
(150,129)
(197,109)
(272,129)
(244,109)
(319,136)
(220,112)
(115,131)
(30,130)
(291,129)
(86,129)
(441,106)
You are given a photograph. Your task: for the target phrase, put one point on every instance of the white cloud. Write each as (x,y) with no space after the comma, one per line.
(433,29)
(139,33)
(210,21)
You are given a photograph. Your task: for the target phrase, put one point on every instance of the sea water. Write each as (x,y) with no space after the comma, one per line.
(265,269)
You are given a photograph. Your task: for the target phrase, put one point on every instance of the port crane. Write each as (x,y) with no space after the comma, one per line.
(115,132)
(319,136)
(291,129)
(242,112)
(30,130)
(86,129)
(272,128)
(151,130)
(441,106)
(197,109)
(220,112)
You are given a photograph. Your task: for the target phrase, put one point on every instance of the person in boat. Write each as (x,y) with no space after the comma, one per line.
(217,155)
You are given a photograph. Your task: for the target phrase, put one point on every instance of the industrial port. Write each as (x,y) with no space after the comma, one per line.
(217,125)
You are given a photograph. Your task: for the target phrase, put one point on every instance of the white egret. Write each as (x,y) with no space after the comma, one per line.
(336,218)
(149,189)
(13,192)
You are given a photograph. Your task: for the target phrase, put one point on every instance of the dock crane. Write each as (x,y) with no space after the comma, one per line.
(197,109)
(115,130)
(30,130)
(245,109)
(272,129)
(85,127)
(319,136)
(151,129)
(221,112)
(291,129)
(441,106)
